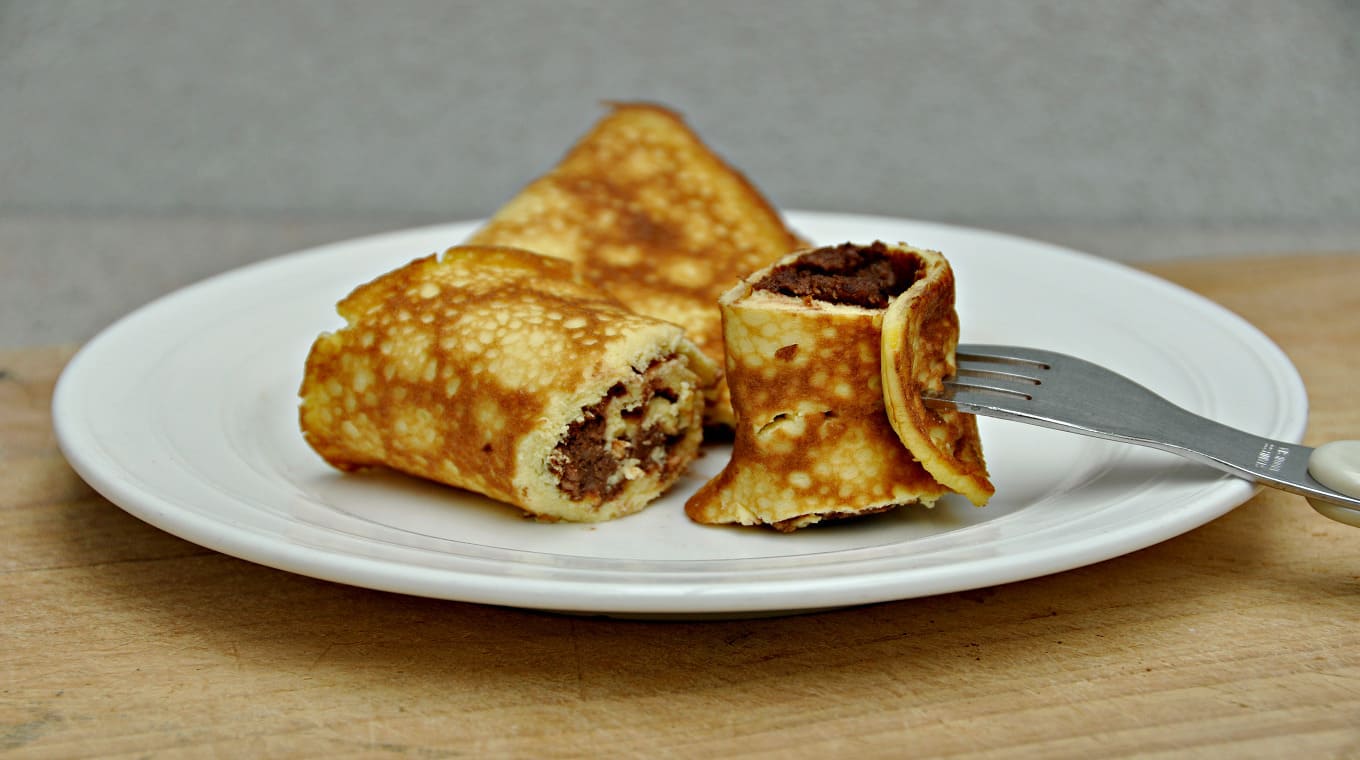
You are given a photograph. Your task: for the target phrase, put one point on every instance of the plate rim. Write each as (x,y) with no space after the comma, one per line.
(101,472)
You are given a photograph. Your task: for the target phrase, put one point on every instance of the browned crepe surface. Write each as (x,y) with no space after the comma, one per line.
(807,356)
(471,368)
(644,210)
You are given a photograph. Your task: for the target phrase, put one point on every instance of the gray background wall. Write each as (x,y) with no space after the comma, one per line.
(1215,111)
(146,144)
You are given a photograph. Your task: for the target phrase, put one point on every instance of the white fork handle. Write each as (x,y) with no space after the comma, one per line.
(1337,466)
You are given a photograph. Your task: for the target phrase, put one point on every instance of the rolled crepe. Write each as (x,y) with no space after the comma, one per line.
(804,349)
(494,370)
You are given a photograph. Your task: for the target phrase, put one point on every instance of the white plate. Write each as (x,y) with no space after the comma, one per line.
(184,414)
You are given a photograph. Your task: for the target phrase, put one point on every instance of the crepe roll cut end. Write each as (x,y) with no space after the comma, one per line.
(495,370)
(812,440)
(920,335)
(623,450)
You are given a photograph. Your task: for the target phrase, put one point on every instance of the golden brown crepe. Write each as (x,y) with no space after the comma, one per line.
(805,345)
(496,370)
(643,209)
(920,334)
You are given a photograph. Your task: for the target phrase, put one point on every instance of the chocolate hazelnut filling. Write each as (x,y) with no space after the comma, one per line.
(629,434)
(869,276)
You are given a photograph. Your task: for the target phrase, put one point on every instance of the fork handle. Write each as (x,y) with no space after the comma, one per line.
(1067,393)
(1288,466)
(1263,460)
(1337,466)
(1328,476)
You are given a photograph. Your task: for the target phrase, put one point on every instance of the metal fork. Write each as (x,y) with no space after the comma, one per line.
(1063,392)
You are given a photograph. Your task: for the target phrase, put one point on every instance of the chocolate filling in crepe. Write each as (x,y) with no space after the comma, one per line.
(644,210)
(805,350)
(495,370)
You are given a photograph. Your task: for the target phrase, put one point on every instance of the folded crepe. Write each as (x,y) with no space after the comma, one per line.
(812,344)
(644,210)
(920,335)
(496,370)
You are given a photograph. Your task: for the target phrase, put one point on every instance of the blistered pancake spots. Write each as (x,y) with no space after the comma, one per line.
(646,212)
(415,429)
(813,437)
(686,274)
(364,380)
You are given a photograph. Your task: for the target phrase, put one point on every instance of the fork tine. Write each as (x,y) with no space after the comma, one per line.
(1013,355)
(983,372)
(973,370)
(975,400)
(993,377)
(989,391)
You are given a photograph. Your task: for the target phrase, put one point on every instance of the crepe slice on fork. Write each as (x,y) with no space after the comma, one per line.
(806,362)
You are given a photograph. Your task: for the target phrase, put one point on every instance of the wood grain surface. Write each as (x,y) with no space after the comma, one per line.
(1239,639)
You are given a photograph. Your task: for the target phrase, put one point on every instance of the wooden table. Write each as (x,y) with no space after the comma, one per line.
(1239,639)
